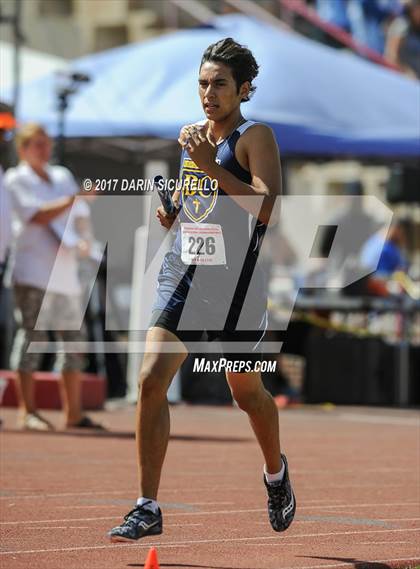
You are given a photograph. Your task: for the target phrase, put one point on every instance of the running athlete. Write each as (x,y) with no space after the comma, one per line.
(211,278)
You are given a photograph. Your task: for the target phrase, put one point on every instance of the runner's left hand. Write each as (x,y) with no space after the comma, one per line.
(202,149)
(191,131)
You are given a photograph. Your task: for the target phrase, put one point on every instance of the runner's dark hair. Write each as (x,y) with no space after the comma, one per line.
(238,57)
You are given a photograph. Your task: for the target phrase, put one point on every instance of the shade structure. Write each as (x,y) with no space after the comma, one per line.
(318,100)
(34,64)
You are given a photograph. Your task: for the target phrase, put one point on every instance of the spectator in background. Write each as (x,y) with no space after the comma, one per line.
(408,44)
(363,19)
(334,12)
(403,39)
(42,197)
(368,19)
(391,260)
(396,30)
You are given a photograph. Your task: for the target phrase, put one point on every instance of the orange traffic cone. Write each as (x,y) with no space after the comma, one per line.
(152,560)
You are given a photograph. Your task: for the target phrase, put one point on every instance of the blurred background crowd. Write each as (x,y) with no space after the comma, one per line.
(66,29)
(89,90)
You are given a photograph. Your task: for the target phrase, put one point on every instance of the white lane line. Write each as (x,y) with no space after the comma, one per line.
(107,493)
(271,544)
(333,472)
(351,563)
(49,528)
(113,517)
(213,513)
(98,506)
(76,527)
(87,527)
(398,519)
(380,419)
(61,495)
(207,503)
(356,520)
(335,503)
(202,541)
(381,486)
(219,487)
(53,527)
(335,507)
(383,542)
(358,543)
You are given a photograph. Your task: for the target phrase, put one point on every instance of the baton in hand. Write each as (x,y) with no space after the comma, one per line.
(164,195)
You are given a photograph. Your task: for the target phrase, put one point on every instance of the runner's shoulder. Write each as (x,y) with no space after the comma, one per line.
(257,133)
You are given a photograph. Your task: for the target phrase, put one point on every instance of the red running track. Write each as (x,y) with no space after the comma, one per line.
(355,473)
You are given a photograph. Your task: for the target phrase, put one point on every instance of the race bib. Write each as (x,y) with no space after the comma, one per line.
(202,244)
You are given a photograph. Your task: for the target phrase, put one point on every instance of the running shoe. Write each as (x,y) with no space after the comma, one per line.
(139,522)
(87,423)
(281,501)
(35,422)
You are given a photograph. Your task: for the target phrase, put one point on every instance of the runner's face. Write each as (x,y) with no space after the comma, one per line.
(218,91)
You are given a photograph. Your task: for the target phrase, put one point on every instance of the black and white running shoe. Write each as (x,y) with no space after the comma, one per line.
(139,522)
(281,501)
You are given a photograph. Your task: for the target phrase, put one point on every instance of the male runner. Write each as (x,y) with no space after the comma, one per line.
(225,228)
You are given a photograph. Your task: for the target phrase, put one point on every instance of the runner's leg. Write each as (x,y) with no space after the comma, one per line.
(252,397)
(152,429)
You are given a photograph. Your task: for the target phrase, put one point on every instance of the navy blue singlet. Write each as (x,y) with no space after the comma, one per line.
(217,285)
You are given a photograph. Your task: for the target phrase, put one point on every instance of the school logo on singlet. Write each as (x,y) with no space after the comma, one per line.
(198,196)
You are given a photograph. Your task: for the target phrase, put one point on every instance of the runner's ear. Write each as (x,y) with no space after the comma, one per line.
(244,90)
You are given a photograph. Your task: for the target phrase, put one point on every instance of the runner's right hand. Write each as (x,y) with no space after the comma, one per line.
(164,218)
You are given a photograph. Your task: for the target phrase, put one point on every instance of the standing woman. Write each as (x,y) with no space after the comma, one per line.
(42,196)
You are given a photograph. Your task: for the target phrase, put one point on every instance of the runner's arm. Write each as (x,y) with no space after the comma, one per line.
(264,166)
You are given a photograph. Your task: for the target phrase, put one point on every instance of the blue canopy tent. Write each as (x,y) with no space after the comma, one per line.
(318,101)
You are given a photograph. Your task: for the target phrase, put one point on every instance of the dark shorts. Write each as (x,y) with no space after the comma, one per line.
(206,312)
(250,340)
